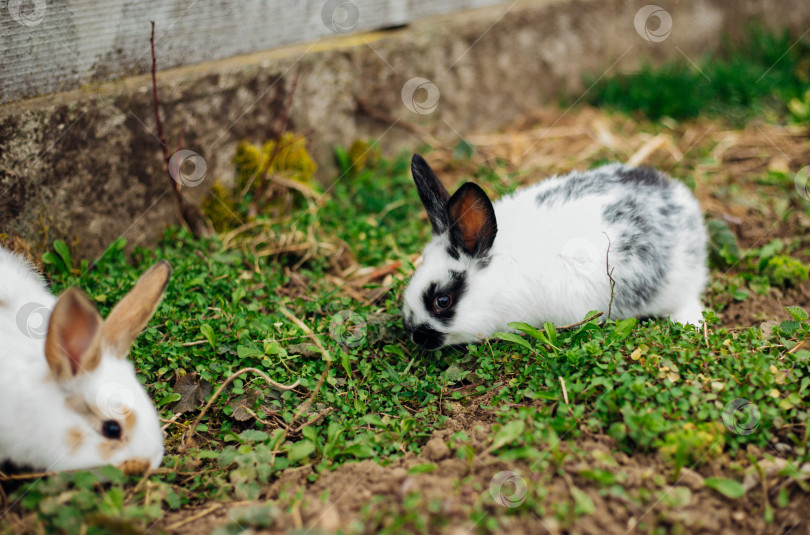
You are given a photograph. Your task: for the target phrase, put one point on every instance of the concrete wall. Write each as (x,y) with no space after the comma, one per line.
(84,165)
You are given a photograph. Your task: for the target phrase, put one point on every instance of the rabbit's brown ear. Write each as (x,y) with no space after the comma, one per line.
(72,345)
(472,220)
(132,313)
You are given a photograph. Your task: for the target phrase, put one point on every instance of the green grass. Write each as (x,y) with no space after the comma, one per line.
(742,81)
(653,386)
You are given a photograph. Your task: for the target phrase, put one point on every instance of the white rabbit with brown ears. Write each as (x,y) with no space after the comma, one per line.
(548,252)
(69,398)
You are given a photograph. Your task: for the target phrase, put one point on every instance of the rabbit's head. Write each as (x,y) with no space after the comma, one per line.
(441,303)
(110,418)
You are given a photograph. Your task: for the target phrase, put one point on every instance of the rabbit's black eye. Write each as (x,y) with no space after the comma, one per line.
(111,429)
(442,302)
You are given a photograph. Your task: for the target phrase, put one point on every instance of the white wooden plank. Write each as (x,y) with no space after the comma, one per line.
(50,45)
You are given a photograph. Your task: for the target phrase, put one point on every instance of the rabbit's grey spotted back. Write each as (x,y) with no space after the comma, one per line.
(653,217)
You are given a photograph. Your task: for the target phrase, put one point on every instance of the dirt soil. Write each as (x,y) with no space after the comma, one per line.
(653,495)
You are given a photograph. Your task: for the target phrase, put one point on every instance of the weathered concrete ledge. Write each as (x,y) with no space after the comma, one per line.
(85,165)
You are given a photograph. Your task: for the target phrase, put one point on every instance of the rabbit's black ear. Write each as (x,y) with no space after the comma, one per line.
(433,194)
(472,220)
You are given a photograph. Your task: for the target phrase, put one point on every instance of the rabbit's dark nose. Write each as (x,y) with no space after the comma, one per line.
(426,337)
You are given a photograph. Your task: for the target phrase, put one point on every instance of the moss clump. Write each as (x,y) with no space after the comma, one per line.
(783,270)
(693,443)
(799,108)
(361,155)
(288,156)
(364,154)
(254,190)
(220,207)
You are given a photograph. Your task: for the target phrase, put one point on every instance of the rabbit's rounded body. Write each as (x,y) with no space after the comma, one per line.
(555,245)
(69,399)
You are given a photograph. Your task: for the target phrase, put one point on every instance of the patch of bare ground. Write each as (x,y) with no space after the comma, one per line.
(368,497)
(408,495)
(759,309)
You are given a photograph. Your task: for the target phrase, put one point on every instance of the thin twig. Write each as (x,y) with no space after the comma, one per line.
(226,383)
(793,350)
(164,145)
(309,400)
(764,481)
(192,518)
(22,477)
(178,195)
(314,419)
(706,333)
(312,336)
(141,483)
(317,341)
(285,111)
(181,136)
(256,417)
(295,512)
(577,324)
(565,392)
(610,276)
(365,275)
(173,420)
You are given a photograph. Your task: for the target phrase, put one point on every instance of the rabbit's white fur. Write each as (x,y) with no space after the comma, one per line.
(52,423)
(549,260)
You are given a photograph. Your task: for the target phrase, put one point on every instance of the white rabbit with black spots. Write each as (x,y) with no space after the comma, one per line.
(548,251)
(69,398)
